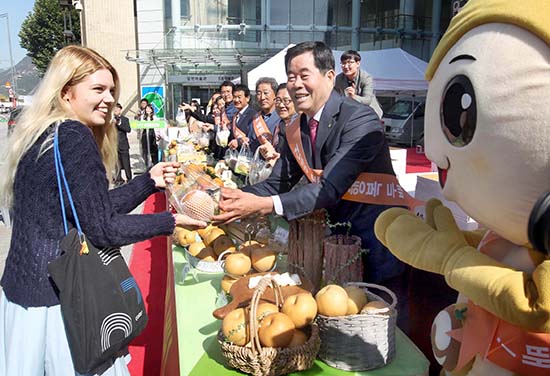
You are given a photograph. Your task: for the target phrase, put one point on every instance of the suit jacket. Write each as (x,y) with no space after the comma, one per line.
(123,127)
(350,140)
(364,89)
(230,111)
(244,122)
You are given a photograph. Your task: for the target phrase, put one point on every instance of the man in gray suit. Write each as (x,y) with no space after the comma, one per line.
(356,83)
(339,136)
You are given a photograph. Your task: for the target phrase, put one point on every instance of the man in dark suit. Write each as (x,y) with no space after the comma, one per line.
(123,127)
(242,122)
(348,141)
(267,119)
(226,90)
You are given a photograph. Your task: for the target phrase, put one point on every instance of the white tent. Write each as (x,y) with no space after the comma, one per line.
(395,72)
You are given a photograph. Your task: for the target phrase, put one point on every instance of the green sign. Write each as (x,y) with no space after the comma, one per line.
(144,124)
(155,96)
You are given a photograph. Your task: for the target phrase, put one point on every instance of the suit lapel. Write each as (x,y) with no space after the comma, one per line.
(326,124)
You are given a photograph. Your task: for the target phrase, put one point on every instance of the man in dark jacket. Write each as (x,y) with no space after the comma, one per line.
(342,138)
(123,126)
(242,121)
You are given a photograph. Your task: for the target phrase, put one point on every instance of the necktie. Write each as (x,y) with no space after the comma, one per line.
(313,125)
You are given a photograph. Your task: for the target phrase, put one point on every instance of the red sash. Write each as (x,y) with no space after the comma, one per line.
(263,134)
(369,188)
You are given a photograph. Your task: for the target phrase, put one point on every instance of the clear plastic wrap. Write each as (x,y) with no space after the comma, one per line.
(195,193)
(260,169)
(244,160)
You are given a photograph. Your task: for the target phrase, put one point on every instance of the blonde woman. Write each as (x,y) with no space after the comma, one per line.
(77,95)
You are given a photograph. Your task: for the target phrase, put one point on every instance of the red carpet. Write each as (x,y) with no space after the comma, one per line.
(149,267)
(417,162)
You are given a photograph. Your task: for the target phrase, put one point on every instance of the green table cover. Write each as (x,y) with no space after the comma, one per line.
(200,354)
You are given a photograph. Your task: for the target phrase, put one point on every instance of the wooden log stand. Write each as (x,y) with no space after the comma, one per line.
(305,246)
(342,259)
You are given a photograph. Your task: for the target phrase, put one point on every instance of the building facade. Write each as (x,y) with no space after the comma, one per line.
(185,48)
(109,27)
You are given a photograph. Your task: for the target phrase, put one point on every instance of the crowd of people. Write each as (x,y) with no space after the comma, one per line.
(333,119)
(255,124)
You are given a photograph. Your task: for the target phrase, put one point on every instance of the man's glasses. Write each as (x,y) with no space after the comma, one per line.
(348,63)
(285,101)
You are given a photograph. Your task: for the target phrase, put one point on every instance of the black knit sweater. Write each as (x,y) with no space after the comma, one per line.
(37,219)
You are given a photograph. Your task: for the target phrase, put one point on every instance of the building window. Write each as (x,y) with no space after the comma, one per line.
(184,9)
(301,12)
(280,12)
(247,11)
(167,9)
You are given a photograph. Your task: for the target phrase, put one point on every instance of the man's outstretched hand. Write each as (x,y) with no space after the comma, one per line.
(236,204)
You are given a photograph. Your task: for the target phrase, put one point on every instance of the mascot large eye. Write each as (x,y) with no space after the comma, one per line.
(458,111)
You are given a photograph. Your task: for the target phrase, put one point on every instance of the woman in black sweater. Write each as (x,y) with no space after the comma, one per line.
(77,95)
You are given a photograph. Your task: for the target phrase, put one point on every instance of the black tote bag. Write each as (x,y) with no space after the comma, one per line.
(101,304)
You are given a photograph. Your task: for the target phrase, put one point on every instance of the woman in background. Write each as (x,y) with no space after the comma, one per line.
(151,150)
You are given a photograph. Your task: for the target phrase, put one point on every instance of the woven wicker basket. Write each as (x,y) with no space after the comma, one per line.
(359,342)
(268,361)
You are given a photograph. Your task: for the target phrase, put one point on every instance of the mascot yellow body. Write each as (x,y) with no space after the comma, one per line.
(488,130)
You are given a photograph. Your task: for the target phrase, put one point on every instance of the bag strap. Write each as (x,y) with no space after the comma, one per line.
(60,173)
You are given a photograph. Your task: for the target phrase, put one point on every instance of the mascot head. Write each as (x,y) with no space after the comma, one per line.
(488,112)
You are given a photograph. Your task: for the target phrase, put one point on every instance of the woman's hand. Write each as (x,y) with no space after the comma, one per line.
(187,222)
(164,173)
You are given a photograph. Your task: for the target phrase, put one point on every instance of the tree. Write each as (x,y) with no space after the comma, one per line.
(43,33)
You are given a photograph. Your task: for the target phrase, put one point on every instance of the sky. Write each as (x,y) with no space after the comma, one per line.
(17,11)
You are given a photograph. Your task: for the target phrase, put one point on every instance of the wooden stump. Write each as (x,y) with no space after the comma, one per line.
(305,246)
(343,261)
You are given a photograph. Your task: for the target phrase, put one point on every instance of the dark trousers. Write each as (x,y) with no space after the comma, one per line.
(152,148)
(124,163)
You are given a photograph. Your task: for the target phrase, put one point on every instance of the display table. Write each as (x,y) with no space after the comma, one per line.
(199,352)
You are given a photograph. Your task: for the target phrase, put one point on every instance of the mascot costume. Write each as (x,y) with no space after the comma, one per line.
(488,130)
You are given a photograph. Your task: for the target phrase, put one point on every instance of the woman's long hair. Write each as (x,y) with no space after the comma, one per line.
(70,66)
